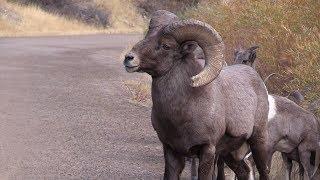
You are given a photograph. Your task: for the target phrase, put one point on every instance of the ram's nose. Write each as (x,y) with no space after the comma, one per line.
(128,60)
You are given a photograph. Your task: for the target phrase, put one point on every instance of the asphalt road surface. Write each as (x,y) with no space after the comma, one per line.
(65,114)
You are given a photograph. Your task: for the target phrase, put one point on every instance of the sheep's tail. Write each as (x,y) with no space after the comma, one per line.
(268,77)
(317,160)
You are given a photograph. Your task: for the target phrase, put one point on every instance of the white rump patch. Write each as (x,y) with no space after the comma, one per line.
(272,107)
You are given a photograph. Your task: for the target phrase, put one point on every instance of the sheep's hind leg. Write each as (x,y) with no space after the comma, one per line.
(220,165)
(301,171)
(288,166)
(258,147)
(206,162)
(240,168)
(304,156)
(194,175)
(174,163)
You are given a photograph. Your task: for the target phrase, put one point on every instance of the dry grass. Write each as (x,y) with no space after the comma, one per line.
(124,15)
(35,21)
(177,6)
(5,27)
(287,32)
(140,91)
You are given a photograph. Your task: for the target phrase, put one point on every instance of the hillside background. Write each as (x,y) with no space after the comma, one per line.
(287,32)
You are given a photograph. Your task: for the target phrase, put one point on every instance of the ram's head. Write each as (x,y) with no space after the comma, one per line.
(170,39)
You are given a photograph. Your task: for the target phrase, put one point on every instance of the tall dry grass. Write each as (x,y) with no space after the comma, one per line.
(124,15)
(147,7)
(35,21)
(287,31)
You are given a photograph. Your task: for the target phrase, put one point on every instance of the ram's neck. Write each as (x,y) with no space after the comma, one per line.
(174,89)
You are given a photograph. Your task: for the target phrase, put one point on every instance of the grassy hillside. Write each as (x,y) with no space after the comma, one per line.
(287,31)
(124,15)
(146,7)
(34,20)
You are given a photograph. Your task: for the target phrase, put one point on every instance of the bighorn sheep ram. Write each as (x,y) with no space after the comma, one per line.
(292,131)
(195,107)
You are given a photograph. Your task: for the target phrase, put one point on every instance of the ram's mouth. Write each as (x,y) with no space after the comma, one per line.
(132,69)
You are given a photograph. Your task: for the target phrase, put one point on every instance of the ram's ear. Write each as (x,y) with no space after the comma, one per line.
(188,47)
(253,48)
(236,52)
(252,56)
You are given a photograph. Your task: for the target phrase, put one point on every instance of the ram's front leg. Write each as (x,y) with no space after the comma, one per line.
(206,162)
(174,163)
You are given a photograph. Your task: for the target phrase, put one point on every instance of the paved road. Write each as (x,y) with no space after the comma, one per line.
(65,114)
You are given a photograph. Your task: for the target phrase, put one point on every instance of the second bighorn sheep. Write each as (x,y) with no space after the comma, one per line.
(246,56)
(292,130)
(194,107)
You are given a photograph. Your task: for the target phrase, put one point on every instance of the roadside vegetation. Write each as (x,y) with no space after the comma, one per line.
(33,18)
(124,16)
(146,7)
(140,91)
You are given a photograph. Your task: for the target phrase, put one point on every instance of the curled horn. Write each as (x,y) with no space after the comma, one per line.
(160,19)
(208,39)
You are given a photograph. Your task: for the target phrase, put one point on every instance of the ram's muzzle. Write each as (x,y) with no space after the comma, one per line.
(131,62)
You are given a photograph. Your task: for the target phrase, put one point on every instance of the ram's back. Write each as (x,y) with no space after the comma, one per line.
(246,99)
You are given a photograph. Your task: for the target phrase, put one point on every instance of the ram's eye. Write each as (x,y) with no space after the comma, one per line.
(165,46)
